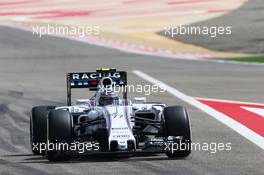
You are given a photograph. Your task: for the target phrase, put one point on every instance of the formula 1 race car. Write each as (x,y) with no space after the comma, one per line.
(108,124)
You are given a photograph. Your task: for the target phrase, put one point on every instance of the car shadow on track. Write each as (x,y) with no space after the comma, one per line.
(16,155)
(41,159)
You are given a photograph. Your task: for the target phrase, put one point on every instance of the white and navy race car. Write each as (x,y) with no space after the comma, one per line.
(111,125)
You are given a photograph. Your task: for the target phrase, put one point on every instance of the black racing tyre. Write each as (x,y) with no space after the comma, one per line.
(176,123)
(38,127)
(60,131)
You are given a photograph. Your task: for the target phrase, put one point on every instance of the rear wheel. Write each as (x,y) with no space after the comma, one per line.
(60,131)
(177,125)
(38,129)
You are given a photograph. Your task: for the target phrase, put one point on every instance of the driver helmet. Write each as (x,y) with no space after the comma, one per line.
(107,98)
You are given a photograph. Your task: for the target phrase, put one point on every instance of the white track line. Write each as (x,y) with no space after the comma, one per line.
(241,129)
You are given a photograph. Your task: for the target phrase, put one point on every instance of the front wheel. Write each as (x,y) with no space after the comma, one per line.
(38,129)
(60,131)
(176,124)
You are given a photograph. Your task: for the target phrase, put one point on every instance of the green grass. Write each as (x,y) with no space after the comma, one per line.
(248,59)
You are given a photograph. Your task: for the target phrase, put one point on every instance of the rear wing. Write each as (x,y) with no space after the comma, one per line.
(90,80)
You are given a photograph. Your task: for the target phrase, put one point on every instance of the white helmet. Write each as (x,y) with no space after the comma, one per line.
(104,98)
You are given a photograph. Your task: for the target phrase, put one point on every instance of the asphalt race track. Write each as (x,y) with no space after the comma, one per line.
(33,73)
